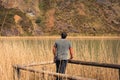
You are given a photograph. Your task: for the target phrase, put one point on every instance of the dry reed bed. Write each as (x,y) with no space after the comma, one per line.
(29,50)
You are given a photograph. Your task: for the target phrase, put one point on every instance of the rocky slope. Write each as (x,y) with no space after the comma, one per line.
(47,17)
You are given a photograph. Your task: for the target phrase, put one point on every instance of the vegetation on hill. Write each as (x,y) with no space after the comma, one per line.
(8,26)
(49,17)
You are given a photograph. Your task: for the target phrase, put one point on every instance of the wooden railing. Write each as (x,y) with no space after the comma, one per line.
(17,68)
(105,65)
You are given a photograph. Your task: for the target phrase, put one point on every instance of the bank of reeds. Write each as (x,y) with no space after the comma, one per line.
(25,51)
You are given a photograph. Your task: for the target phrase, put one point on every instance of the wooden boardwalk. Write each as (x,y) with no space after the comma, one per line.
(18,68)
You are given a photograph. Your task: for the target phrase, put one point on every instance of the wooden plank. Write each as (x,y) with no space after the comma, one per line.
(115,66)
(52,73)
(37,64)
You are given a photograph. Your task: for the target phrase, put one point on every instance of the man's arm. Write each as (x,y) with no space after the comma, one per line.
(71,53)
(54,52)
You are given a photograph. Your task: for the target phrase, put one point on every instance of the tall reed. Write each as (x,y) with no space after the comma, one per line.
(25,51)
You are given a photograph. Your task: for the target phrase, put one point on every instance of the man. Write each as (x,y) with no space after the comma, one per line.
(60,52)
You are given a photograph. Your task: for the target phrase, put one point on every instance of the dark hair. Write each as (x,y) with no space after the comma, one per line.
(63,35)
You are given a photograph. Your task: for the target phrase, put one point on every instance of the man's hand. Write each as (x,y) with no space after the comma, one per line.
(71,57)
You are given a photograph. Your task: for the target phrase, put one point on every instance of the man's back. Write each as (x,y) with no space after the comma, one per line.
(62,48)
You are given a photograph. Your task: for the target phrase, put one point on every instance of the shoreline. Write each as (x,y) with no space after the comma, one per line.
(57,37)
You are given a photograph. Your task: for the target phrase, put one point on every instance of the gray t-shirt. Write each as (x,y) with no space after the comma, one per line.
(62,48)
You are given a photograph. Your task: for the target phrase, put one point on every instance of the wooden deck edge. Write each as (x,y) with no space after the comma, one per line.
(71,77)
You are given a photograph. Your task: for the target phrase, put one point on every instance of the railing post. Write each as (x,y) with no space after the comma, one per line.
(44,75)
(14,77)
(16,73)
(119,74)
(34,75)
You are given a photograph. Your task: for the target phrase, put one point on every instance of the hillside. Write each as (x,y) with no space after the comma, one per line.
(50,17)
